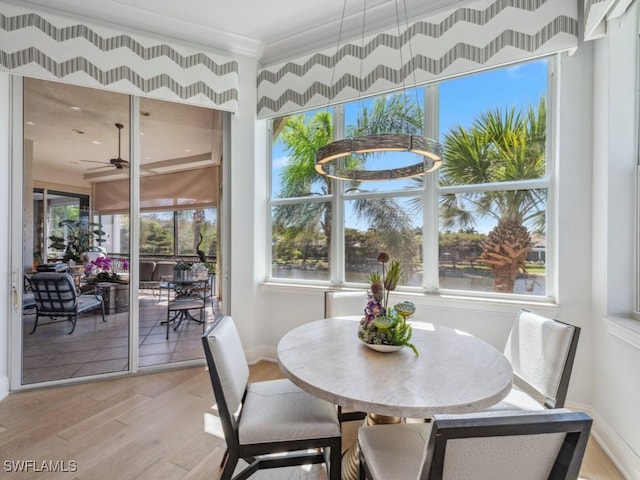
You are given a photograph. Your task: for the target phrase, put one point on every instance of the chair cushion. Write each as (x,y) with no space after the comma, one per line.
(525,457)
(28,300)
(145,272)
(518,399)
(522,457)
(185,304)
(163,271)
(395,451)
(278,410)
(537,348)
(86,302)
(231,364)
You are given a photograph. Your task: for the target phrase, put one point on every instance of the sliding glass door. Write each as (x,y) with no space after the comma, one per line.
(70,137)
(78,163)
(178,228)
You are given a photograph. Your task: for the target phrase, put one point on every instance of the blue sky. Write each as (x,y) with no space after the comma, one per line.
(462,99)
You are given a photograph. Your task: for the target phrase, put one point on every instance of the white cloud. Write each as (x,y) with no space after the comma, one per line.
(280,162)
(514,72)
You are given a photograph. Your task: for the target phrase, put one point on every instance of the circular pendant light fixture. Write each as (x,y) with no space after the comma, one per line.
(327,158)
(330,159)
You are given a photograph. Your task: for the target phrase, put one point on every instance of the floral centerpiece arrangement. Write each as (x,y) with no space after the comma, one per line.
(197,271)
(381,324)
(105,269)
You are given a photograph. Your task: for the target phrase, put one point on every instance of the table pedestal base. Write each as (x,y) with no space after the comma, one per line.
(350,458)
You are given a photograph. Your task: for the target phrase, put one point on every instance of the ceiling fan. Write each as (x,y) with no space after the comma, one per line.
(119,162)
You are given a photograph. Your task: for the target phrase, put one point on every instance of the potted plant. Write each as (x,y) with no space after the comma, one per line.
(182,272)
(80,236)
(384,328)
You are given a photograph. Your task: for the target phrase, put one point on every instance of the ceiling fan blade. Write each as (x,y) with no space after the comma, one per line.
(98,168)
(95,161)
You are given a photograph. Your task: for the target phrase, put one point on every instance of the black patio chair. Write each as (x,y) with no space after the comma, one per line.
(56,296)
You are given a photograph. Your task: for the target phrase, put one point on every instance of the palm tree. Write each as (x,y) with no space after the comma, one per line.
(302,136)
(500,146)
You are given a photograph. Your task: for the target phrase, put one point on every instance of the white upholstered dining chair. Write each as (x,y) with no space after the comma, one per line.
(338,302)
(264,418)
(523,445)
(350,302)
(541,351)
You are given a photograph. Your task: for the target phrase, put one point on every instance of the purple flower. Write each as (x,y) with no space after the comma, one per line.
(373,309)
(103,263)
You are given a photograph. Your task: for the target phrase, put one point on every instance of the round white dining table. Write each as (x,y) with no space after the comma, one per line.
(454,372)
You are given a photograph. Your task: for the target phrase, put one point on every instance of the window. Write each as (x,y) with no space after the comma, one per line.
(178,232)
(489,199)
(61,207)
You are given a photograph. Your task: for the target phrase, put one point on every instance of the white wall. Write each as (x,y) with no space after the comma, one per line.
(247,206)
(616,355)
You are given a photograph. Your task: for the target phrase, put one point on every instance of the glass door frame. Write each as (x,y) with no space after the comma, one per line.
(16,227)
(17,230)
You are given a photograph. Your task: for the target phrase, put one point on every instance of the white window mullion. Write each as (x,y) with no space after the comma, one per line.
(430,194)
(551,175)
(134,229)
(337,218)
(269,223)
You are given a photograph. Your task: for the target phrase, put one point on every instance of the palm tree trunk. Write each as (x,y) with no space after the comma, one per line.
(504,277)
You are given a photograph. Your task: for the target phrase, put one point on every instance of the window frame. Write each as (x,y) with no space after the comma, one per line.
(430,194)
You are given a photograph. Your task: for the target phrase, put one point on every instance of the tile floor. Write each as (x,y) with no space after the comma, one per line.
(96,347)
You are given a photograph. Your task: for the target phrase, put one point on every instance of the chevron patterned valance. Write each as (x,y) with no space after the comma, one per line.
(484,34)
(53,47)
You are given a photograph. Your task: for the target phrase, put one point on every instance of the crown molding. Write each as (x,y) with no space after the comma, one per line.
(151,23)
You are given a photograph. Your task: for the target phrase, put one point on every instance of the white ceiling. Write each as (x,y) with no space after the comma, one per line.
(74,137)
(270,30)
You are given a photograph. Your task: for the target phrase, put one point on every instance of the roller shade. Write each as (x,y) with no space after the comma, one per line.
(484,34)
(169,191)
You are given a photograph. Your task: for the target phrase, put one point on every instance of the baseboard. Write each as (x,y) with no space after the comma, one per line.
(4,387)
(578,407)
(622,456)
(262,353)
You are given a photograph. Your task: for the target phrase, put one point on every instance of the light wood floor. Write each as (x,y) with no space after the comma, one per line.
(143,427)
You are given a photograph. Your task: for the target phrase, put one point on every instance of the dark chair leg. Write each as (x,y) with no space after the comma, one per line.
(35,323)
(229,467)
(335,464)
(73,319)
(103,317)
(168,312)
(361,472)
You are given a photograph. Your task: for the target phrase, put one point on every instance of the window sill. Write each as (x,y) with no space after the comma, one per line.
(439,300)
(623,328)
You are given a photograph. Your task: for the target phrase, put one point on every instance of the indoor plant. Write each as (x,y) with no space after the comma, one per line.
(381,324)
(80,236)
